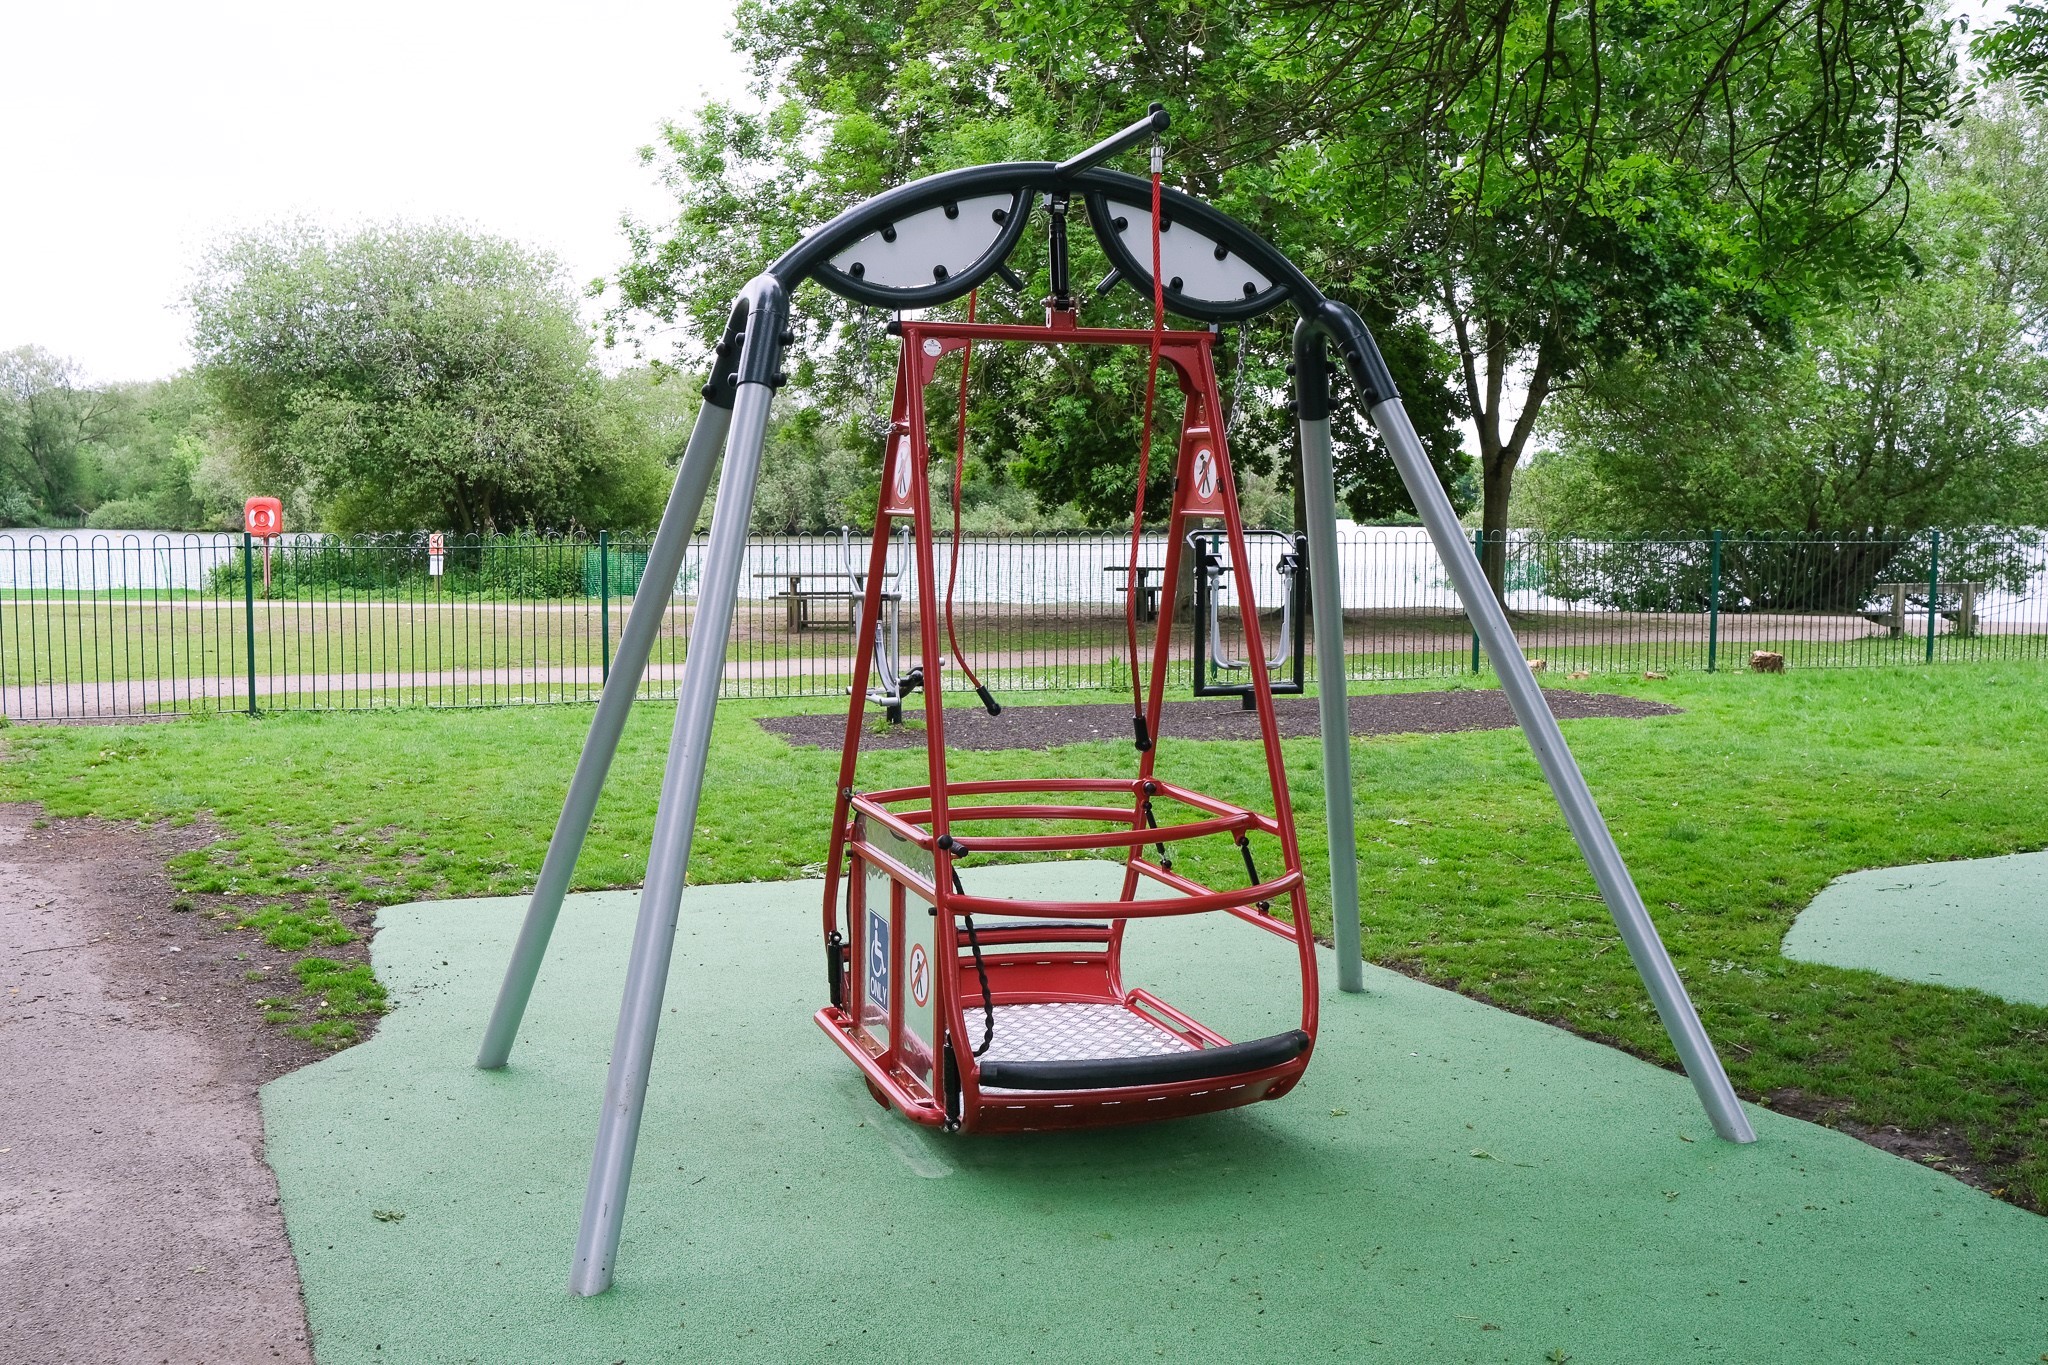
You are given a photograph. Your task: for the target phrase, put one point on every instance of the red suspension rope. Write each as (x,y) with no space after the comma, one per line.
(1131,593)
(988,700)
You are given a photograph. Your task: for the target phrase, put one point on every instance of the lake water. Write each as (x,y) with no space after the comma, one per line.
(1382,568)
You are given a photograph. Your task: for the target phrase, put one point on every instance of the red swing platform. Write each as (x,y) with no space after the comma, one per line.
(1006,1014)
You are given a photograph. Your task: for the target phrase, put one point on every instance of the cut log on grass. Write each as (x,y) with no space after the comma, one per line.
(1764,661)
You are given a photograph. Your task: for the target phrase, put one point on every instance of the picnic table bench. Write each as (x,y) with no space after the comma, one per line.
(798,600)
(1963,614)
(1148,586)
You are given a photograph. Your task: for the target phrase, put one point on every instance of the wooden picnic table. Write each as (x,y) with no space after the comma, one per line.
(797,598)
(1964,614)
(1148,587)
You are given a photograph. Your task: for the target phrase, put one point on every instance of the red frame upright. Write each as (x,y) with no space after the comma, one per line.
(936,1080)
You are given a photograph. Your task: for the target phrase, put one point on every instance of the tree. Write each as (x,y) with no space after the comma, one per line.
(880,95)
(410,376)
(2016,50)
(1917,405)
(144,468)
(48,421)
(1548,184)
(1565,183)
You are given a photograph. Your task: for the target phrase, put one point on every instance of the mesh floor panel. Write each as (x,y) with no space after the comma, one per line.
(1065,1032)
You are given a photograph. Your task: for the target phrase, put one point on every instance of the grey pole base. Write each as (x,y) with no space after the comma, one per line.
(675,821)
(1561,770)
(1326,597)
(636,645)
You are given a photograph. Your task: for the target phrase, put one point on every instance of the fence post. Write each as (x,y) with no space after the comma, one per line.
(249,611)
(1478,553)
(604,599)
(1714,603)
(1933,591)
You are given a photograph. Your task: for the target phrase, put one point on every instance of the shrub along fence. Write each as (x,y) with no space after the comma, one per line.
(103,626)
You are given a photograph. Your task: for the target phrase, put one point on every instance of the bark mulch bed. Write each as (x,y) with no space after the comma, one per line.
(1044,727)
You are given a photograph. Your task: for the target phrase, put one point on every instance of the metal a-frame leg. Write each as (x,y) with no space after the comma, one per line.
(675,822)
(1596,843)
(636,644)
(1326,600)
(756,336)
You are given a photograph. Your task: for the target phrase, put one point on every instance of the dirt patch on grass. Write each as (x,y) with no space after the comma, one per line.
(136,1023)
(1948,1150)
(1045,727)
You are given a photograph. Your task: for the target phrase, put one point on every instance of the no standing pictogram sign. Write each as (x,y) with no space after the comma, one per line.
(920,975)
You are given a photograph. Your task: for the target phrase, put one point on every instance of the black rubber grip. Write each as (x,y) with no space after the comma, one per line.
(1143,732)
(988,700)
(1161,1068)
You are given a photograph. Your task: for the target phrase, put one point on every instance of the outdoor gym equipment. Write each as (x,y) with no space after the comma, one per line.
(880,615)
(916,247)
(1212,583)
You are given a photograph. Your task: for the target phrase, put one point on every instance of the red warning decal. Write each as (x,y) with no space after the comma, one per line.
(920,975)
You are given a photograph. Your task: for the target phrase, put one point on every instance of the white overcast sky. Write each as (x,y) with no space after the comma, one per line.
(135,134)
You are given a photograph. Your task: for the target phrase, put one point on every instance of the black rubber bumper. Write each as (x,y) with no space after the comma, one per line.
(1161,1068)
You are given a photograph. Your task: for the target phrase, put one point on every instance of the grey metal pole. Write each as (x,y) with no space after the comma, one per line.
(675,821)
(636,643)
(1596,843)
(1326,596)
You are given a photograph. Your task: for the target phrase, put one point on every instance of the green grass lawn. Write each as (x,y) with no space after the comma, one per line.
(1732,815)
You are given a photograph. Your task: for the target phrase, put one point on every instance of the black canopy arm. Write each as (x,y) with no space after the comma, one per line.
(935,239)
(1150,127)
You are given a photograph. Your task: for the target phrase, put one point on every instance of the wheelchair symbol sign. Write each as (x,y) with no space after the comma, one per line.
(878,962)
(920,975)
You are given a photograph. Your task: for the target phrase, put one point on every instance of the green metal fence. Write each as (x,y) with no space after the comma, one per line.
(108,627)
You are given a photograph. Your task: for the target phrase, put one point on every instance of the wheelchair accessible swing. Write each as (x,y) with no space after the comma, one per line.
(977,1013)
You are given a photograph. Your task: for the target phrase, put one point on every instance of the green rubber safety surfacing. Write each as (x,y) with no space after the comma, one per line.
(1449,1182)
(1980,923)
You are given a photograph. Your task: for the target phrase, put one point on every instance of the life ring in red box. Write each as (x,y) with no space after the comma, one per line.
(263,517)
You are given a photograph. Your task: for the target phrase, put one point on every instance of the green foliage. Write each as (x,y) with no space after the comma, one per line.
(1917,404)
(160,464)
(2016,49)
(1769,572)
(48,419)
(522,564)
(877,97)
(1566,184)
(126,514)
(407,377)
(814,477)
(1554,185)
(119,456)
